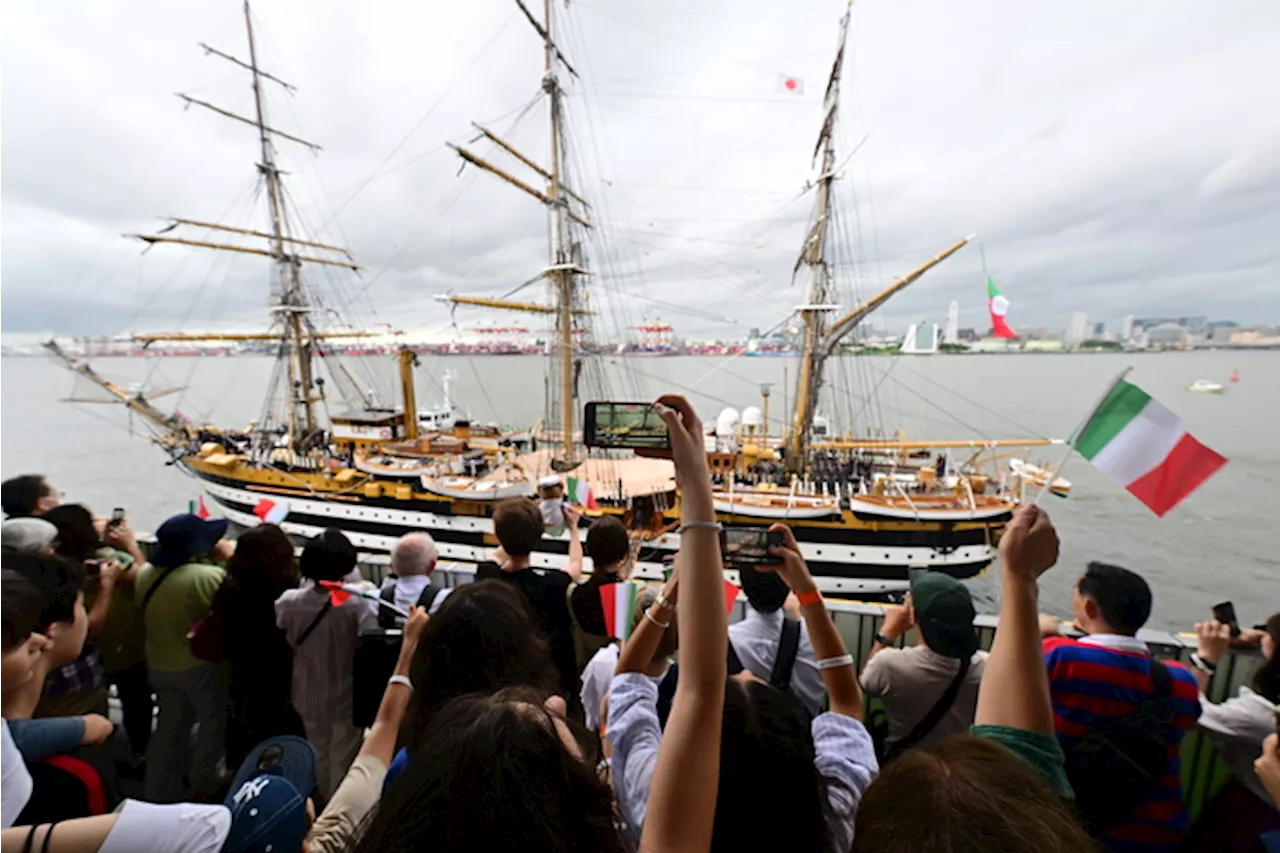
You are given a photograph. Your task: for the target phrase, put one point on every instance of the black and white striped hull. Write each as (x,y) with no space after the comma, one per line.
(844,561)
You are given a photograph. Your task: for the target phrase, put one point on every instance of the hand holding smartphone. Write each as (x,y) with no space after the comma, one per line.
(633,426)
(1225,612)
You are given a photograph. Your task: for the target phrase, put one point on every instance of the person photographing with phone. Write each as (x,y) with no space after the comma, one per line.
(1243,808)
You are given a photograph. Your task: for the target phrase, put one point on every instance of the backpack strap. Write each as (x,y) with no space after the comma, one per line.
(788,648)
(429,596)
(935,715)
(328,605)
(387,616)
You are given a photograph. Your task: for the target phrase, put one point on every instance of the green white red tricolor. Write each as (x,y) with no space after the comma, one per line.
(579,491)
(999,307)
(619,603)
(1145,448)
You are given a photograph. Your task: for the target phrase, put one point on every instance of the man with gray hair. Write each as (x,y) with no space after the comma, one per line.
(413,559)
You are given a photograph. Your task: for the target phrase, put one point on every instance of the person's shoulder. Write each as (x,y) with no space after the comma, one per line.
(487,570)
(1060,644)
(557,579)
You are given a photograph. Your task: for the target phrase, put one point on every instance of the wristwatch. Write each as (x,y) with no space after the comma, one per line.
(1202,664)
(882,639)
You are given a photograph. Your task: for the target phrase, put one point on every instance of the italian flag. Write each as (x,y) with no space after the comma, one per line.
(999,307)
(619,603)
(1145,448)
(197,507)
(579,491)
(270,512)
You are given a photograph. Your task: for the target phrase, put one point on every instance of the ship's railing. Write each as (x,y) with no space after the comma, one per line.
(1202,770)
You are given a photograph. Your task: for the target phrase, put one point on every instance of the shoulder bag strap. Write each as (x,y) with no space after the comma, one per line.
(151,590)
(328,605)
(935,714)
(788,648)
(386,616)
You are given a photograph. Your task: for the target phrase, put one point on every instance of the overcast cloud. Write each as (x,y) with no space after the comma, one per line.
(1114,158)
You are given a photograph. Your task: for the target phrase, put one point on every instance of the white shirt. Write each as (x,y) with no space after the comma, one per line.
(409,589)
(755,639)
(1237,728)
(843,755)
(596,676)
(1116,643)
(15,781)
(322,667)
(178,828)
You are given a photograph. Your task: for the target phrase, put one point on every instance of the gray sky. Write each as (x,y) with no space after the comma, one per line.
(1113,158)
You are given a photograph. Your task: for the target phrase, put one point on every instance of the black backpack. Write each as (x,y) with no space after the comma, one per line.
(1114,768)
(376,655)
(779,678)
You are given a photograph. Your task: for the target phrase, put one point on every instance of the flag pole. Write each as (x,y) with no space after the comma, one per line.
(1052,473)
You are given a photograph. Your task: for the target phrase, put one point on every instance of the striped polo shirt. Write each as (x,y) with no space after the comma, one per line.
(1105,676)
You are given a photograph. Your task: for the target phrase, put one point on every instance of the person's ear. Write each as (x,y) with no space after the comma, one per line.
(1091,609)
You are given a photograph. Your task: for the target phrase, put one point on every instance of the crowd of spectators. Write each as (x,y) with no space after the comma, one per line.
(506,716)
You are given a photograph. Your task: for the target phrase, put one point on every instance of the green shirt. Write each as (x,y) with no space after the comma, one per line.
(180,602)
(121,639)
(1038,750)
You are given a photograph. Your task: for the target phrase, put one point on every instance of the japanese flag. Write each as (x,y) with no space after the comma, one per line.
(788,85)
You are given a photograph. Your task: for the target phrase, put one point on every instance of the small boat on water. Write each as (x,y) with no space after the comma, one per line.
(1204,386)
(1036,476)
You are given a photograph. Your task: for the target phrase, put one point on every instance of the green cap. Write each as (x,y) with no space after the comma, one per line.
(944,614)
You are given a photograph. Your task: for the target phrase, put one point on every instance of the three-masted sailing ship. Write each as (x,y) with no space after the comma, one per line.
(864,511)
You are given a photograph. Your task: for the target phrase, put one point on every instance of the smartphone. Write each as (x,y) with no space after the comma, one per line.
(634,426)
(1225,612)
(749,545)
(117,516)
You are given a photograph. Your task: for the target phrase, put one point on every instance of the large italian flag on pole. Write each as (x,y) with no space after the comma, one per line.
(1145,448)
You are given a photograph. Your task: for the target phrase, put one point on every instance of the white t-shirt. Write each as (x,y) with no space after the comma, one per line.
(178,828)
(596,676)
(1237,728)
(15,781)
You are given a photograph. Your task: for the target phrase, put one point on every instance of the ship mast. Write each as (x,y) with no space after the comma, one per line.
(822,336)
(291,309)
(814,255)
(565,267)
(292,305)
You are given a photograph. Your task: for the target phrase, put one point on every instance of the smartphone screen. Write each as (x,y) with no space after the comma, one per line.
(1225,612)
(749,545)
(624,426)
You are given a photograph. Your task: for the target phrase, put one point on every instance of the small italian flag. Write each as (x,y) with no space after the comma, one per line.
(999,307)
(619,603)
(197,507)
(270,512)
(579,491)
(1145,448)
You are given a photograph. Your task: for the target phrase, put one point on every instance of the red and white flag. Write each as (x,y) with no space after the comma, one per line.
(788,85)
(270,512)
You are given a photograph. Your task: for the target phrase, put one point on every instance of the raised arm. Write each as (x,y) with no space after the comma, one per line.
(834,660)
(574,567)
(682,797)
(1015,683)
(381,740)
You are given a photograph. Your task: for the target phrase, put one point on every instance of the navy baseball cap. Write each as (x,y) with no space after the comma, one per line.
(184,537)
(268,799)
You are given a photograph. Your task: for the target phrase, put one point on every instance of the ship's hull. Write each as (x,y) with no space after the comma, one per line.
(848,557)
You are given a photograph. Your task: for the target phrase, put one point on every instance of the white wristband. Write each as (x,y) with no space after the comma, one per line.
(400,679)
(695,525)
(835,662)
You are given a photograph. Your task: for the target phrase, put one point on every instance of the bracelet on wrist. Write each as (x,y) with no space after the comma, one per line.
(698,525)
(649,615)
(400,679)
(835,662)
(810,596)
(882,639)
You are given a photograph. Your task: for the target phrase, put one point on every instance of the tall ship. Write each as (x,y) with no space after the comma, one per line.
(867,507)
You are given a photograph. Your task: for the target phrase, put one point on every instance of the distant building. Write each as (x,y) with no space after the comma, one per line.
(1042,346)
(1099,329)
(968,335)
(1126,331)
(1033,333)
(991,344)
(952,333)
(1194,325)
(1166,334)
(921,339)
(1077,330)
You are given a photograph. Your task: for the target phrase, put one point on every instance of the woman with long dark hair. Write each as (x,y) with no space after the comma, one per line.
(1242,808)
(260,660)
(496,772)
